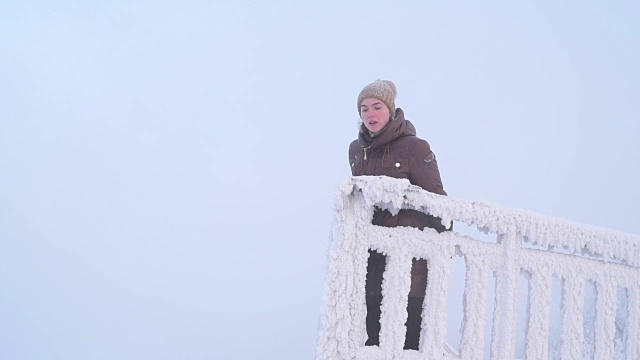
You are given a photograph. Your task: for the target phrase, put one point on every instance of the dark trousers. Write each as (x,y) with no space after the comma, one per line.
(375,270)
(413,324)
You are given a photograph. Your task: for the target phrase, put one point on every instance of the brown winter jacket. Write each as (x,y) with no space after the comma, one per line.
(397,152)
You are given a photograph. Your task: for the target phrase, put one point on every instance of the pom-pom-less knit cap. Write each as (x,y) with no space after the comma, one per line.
(383,90)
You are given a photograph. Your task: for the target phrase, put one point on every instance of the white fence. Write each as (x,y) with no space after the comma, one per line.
(539,246)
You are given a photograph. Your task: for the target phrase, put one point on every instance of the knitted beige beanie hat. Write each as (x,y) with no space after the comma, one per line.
(383,90)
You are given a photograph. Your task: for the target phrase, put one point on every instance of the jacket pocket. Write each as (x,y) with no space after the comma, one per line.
(396,166)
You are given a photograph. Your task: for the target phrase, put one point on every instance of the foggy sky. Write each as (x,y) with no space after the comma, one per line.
(168,169)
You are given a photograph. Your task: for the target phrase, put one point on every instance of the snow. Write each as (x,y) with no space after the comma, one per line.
(538,246)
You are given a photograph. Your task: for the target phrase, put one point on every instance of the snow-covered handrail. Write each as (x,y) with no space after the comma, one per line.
(537,245)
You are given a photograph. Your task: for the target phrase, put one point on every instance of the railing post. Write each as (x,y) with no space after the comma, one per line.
(343,331)
(502,339)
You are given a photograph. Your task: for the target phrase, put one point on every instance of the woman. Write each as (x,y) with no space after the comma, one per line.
(387,145)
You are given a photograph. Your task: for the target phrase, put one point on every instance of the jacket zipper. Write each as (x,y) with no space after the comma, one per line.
(365,153)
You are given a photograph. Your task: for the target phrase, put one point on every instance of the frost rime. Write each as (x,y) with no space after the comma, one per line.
(540,246)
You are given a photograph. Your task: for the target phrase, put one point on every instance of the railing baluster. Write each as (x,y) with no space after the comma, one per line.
(606,305)
(475,299)
(633,340)
(502,339)
(434,319)
(539,312)
(395,290)
(572,317)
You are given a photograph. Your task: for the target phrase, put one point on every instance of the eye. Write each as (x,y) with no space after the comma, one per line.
(378,107)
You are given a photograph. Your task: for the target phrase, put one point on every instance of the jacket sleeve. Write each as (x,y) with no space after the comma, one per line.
(424,168)
(424,173)
(351,160)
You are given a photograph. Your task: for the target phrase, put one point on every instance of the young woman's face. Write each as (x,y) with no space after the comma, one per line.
(375,114)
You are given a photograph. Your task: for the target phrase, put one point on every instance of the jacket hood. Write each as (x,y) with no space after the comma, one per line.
(398,127)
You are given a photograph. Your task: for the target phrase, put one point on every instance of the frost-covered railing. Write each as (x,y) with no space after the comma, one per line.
(542,247)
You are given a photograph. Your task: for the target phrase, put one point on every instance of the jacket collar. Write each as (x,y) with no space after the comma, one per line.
(397,127)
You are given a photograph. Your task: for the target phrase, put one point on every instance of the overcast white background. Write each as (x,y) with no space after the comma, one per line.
(168,169)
